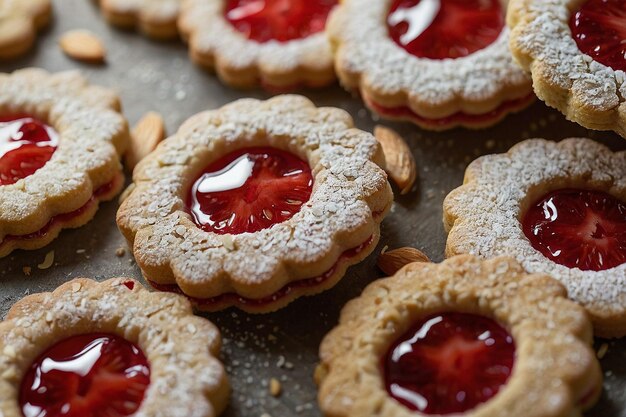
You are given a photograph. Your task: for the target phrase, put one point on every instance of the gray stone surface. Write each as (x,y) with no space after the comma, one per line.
(283,345)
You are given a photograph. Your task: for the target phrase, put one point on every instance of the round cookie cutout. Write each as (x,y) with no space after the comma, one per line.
(296,244)
(64,190)
(145,354)
(575,192)
(586,85)
(439,339)
(474,84)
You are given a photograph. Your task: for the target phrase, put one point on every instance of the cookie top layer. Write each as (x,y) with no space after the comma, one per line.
(350,195)
(484,216)
(554,364)
(586,91)
(92,136)
(186,378)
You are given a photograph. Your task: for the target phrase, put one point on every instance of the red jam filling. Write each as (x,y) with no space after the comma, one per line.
(235,299)
(449,363)
(26,144)
(92,375)
(599,29)
(249,190)
(279,20)
(440,29)
(581,229)
(405,112)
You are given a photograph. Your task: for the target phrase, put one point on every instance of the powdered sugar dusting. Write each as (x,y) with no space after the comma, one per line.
(213,37)
(542,42)
(371,61)
(483,214)
(559,368)
(186,378)
(92,136)
(350,195)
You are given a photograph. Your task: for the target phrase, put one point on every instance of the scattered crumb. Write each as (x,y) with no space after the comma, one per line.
(275,387)
(120,252)
(384,249)
(48,261)
(602,350)
(27,270)
(80,251)
(265,415)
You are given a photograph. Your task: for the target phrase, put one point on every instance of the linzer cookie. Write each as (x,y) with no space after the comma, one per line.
(60,146)
(467,338)
(278,44)
(20,20)
(155,18)
(558,208)
(439,64)
(576,53)
(110,349)
(256,204)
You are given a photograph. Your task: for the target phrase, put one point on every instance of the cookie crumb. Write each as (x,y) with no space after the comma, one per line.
(80,251)
(119,252)
(604,347)
(48,261)
(275,387)
(27,270)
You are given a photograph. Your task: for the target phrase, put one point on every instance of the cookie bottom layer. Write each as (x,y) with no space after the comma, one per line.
(471,121)
(288,293)
(70,220)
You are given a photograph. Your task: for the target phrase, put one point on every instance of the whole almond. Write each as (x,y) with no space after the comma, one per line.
(82,45)
(144,138)
(401,165)
(392,261)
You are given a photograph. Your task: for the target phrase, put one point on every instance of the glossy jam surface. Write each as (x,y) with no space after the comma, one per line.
(449,363)
(439,29)
(279,20)
(92,375)
(26,144)
(578,228)
(249,190)
(599,29)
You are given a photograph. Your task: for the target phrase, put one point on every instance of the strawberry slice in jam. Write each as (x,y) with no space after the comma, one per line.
(599,29)
(92,375)
(578,228)
(439,29)
(449,363)
(249,190)
(26,144)
(279,20)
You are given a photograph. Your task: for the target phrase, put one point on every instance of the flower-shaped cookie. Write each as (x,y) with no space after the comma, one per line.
(278,44)
(466,337)
(60,143)
(20,20)
(155,18)
(256,204)
(558,208)
(576,53)
(439,64)
(109,349)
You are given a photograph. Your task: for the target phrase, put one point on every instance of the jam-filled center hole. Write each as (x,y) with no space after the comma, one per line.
(249,190)
(449,363)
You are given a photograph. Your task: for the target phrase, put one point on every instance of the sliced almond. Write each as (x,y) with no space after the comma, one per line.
(83,45)
(146,135)
(392,261)
(48,261)
(401,165)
